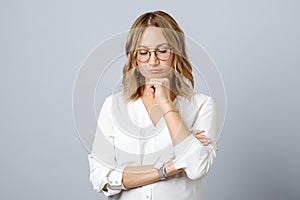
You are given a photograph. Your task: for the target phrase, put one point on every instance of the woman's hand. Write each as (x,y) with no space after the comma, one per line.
(202,138)
(159,89)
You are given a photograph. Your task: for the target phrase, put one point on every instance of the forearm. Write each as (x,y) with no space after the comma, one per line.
(177,128)
(135,176)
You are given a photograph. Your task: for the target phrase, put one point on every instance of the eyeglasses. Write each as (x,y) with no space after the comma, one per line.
(162,53)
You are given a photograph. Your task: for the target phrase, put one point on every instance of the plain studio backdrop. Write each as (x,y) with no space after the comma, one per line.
(255,45)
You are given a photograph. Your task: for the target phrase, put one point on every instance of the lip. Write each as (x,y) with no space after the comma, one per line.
(154,71)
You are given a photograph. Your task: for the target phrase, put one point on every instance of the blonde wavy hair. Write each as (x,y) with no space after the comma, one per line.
(182,82)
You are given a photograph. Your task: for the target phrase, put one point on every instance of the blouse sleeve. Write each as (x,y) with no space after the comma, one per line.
(191,155)
(102,163)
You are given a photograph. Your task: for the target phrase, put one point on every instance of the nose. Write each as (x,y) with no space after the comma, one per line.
(153,60)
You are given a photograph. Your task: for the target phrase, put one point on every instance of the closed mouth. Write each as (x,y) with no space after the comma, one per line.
(155,71)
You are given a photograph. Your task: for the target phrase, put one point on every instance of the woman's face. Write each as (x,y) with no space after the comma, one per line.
(154,54)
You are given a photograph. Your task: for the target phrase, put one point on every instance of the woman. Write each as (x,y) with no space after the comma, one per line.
(161,159)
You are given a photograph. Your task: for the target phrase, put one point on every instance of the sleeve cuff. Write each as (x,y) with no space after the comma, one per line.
(114,182)
(109,191)
(114,179)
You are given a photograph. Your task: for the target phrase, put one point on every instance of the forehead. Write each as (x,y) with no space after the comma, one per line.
(152,37)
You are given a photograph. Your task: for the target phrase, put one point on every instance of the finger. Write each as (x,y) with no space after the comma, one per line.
(163,82)
(150,93)
(150,90)
(155,82)
(204,139)
(198,132)
(204,142)
(200,136)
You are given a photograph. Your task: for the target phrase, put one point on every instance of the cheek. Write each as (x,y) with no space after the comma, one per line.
(142,70)
(169,62)
(142,67)
(138,64)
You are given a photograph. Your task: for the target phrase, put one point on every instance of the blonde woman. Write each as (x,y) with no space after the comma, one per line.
(172,145)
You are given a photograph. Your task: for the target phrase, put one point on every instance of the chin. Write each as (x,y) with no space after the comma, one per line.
(151,76)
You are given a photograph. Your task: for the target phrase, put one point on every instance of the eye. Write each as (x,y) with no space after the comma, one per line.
(162,51)
(142,51)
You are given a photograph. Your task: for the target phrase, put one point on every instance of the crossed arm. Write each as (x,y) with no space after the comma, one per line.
(135,176)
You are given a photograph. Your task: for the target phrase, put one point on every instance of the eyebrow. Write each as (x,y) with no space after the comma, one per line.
(156,45)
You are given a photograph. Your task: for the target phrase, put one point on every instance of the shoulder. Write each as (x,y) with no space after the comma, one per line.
(199,99)
(111,105)
(204,103)
(115,103)
(113,98)
(199,102)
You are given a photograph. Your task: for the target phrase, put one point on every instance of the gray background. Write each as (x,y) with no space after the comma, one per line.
(254,43)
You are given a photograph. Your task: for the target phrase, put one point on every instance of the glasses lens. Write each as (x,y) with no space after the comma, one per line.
(163,54)
(142,55)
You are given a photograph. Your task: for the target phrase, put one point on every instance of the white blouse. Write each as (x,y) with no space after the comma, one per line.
(134,140)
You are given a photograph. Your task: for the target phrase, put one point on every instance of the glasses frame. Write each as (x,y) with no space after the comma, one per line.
(170,49)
